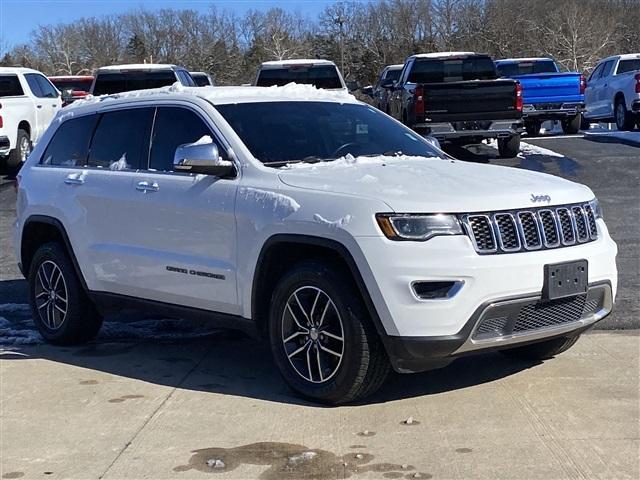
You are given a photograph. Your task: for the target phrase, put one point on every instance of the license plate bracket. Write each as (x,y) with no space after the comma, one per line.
(565,279)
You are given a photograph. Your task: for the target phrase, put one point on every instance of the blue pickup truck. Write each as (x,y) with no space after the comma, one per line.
(548,94)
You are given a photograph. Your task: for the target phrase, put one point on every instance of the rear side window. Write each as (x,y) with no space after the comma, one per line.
(173,127)
(118,82)
(628,65)
(201,80)
(322,76)
(70,144)
(10,86)
(441,70)
(121,140)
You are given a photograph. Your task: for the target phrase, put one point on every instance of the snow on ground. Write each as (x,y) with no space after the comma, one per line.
(19,329)
(527,149)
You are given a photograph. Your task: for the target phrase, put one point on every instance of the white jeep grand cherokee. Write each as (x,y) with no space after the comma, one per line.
(310,219)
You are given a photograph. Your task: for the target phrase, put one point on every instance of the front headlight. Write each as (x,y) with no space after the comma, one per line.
(417,227)
(597,209)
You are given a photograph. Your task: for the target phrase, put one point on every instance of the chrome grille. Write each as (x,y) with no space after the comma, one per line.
(533,229)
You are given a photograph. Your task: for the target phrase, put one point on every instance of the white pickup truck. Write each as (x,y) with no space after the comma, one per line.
(28,103)
(613,91)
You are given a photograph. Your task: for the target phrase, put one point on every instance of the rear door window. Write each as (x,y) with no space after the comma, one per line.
(10,86)
(175,126)
(121,140)
(70,144)
(321,76)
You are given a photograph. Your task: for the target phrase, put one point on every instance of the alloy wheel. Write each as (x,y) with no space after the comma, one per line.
(51,295)
(620,114)
(25,149)
(313,334)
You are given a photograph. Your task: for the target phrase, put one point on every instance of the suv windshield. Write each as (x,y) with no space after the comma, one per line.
(629,65)
(77,85)
(10,86)
(118,82)
(281,132)
(526,68)
(321,76)
(453,69)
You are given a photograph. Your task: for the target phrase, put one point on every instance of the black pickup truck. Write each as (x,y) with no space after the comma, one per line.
(456,97)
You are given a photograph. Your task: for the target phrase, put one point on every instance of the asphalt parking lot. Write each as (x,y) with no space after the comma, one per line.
(173,399)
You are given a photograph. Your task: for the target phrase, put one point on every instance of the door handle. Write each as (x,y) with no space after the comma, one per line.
(147,187)
(39,106)
(74,180)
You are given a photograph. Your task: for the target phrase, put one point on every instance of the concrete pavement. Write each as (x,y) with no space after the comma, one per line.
(215,406)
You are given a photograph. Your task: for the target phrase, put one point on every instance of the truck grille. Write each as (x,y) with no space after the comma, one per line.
(532,229)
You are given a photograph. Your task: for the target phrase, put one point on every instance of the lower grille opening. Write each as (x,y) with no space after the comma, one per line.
(434,290)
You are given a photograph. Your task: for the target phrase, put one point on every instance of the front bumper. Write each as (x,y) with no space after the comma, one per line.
(501,324)
(552,111)
(481,129)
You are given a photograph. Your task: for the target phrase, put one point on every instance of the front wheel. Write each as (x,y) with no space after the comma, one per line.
(571,125)
(542,350)
(509,147)
(321,337)
(624,122)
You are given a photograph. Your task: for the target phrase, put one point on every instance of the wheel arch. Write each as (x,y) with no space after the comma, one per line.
(41,229)
(283,250)
(24,125)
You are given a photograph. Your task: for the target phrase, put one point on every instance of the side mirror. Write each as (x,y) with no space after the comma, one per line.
(388,83)
(368,90)
(201,157)
(67,95)
(352,85)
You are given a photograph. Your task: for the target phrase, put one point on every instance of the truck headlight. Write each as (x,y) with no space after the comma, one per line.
(597,209)
(417,227)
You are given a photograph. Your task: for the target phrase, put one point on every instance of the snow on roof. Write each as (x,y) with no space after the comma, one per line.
(138,66)
(297,61)
(441,54)
(227,95)
(529,59)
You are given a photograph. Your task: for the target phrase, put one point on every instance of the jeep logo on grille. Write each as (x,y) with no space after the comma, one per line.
(540,198)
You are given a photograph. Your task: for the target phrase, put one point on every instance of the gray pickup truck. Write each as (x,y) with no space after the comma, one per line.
(457,97)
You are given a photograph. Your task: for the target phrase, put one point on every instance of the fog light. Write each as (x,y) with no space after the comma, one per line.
(436,290)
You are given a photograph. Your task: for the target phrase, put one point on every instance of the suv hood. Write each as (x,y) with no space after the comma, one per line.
(429,185)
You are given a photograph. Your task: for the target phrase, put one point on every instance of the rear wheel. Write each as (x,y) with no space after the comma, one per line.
(542,350)
(532,128)
(571,125)
(509,147)
(61,310)
(19,155)
(624,121)
(321,337)
(585,123)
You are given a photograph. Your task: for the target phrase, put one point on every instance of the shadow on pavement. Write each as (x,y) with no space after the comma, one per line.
(609,138)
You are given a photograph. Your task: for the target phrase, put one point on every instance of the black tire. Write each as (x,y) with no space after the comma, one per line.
(542,350)
(509,147)
(363,366)
(571,125)
(624,120)
(532,128)
(585,123)
(80,321)
(17,156)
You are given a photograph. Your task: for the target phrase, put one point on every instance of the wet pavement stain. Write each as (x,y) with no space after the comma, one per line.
(289,461)
(88,382)
(125,397)
(464,450)
(366,433)
(13,475)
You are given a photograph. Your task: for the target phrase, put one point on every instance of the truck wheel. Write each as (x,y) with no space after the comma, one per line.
(585,123)
(542,350)
(61,310)
(571,125)
(532,128)
(18,155)
(322,338)
(509,147)
(624,121)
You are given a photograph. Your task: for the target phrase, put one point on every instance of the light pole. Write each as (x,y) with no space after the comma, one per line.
(340,20)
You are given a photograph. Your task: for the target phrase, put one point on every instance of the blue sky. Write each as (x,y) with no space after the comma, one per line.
(19,17)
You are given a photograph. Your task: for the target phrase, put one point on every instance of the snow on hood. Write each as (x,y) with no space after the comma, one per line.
(419,184)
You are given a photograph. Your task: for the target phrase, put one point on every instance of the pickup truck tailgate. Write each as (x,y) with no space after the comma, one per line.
(470,100)
(550,88)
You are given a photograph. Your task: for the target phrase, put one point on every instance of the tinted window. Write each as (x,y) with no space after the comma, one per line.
(174,127)
(393,74)
(596,73)
(117,82)
(201,80)
(78,85)
(48,90)
(289,131)
(70,144)
(10,86)
(606,70)
(34,85)
(322,76)
(121,141)
(629,65)
(526,68)
(455,69)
